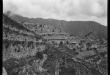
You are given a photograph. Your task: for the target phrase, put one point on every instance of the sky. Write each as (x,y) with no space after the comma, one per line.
(69,10)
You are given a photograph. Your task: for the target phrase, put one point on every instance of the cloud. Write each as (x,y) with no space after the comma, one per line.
(59,9)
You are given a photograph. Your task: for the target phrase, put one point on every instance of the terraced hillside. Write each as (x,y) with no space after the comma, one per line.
(28,50)
(76,28)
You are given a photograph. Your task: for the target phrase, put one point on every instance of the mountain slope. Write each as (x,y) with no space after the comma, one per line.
(12,24)
(84,27)
(76,28)
(16,39)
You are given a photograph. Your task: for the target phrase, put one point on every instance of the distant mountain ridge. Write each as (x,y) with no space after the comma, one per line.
(76,28)
(84,27)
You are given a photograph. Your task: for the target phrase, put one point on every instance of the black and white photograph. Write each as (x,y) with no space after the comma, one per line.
(54,37)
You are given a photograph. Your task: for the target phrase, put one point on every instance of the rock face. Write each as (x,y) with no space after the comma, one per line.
(26,51)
